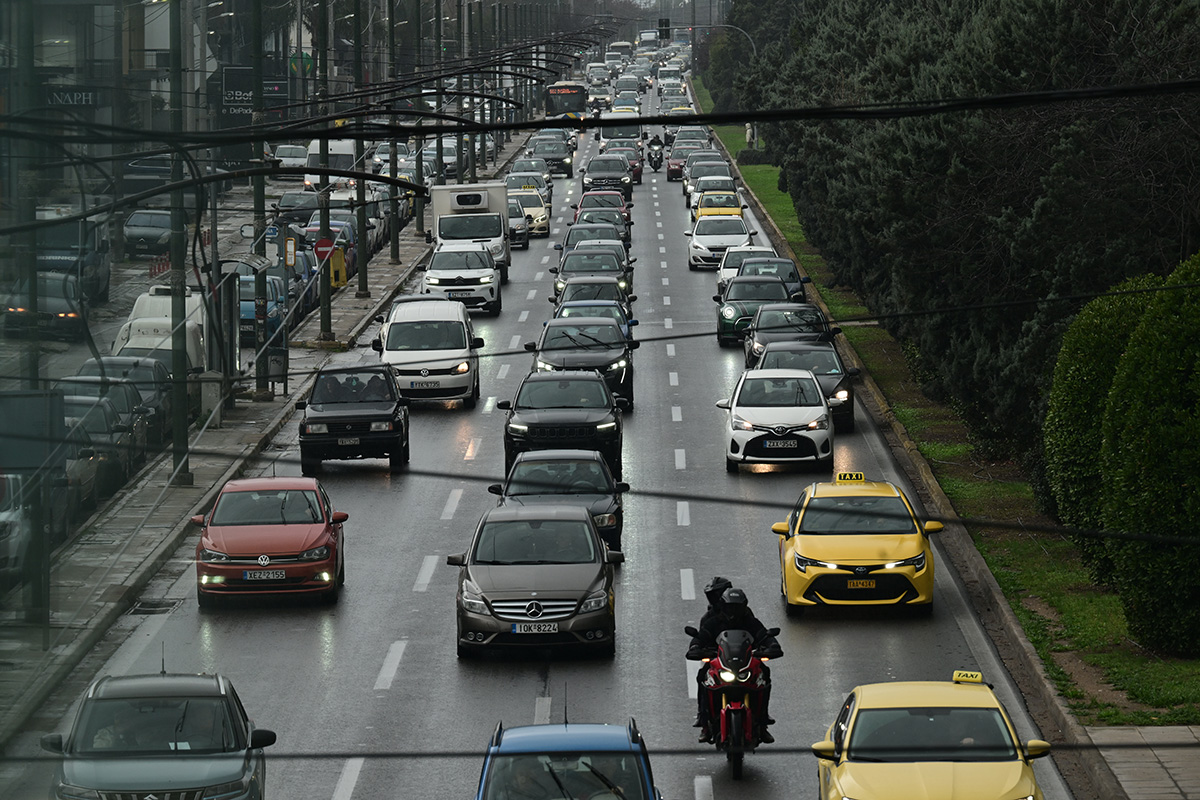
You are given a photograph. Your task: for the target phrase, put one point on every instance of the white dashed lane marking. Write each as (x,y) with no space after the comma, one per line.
(676,414)
(670,351)
(452,503)
(514,343)
(391,663)
(680,459)
(524,315)
(502,373)
(682,515)
(347,780)
(472,450)
(687,584)
(426,573)
(668,323)
(673,378)
(541,711)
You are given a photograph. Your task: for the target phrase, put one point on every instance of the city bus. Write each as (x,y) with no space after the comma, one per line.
(566,99)
(624,48)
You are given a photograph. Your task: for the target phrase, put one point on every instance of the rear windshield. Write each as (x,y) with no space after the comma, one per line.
(559,775)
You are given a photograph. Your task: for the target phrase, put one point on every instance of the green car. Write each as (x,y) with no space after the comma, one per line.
(742,297)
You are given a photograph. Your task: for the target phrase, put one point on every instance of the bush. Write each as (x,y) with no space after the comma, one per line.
(1083,376)
(1151,448)
(749,156)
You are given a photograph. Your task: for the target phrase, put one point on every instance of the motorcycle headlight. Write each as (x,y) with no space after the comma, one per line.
(316,427)
(803,563)
(213,556)
(462,367)
(916,562)
(819,424)
(604,520)
(315,554)
(594,602)
(739,424)
(432,281)
(728,675)
(473,602)
(381,426)
(728,312)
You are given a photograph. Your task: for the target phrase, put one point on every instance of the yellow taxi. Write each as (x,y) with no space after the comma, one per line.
(950,740)
(714,203)
(855,542)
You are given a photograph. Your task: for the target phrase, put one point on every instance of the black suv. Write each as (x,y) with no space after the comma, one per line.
(558,156)
(163,735)
(596,343)
(354,412)
(572,409)
(608,172)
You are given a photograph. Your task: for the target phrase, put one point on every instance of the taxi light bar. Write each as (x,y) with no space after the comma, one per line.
(967,676)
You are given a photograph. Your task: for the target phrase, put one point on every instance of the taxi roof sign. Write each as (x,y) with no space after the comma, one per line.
(851,477)
(967,676)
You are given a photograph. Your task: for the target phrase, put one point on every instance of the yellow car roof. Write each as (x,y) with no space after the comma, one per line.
(526,193)
(910,694)
(855,488)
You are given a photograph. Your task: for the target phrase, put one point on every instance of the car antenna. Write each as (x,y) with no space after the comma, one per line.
(163,668)
(564,703)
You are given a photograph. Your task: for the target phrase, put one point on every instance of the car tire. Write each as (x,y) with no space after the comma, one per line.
(204,601)
(309,466)
(731,466)
(627,393)
(504,270)
(472,400)
(396,461)
(792,611)
(341,576)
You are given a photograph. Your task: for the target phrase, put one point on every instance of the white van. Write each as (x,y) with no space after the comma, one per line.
(341,156)
(432,348)
(466,272)
(157,303)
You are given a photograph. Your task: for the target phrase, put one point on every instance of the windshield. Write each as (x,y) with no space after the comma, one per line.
(857,514)
(530,200)
(779,392)
(291,151)
(719,200)
(292,200)
(456,259)
(557,477)
(577,235)
(606,165)
(426,335)
(121,726)
(930,734)
(281,507)
(708,168)
(626,131)
(470,226)
(756,290)
(788,320)
(91,416)
(535,542)
(715,184)
(142,376)
(550,149)
(141,219)
(818,362)
(562,394)
(335,161)
(600,201)
(613,776)
(609,310)
(608,216)
(525,180)
(720,226)
(784,270)
(351,387)
(573,337)
(116,394)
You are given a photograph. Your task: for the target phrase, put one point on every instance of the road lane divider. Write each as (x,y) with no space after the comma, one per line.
(683,517)
(349,777)
(391,663)
(425,575)
(452,503)
(472,450)
(673,378)
(502,373)
(680,459)
(687,584)
(541,711)
(676,414)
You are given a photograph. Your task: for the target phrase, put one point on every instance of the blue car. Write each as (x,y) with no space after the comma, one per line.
(568,760)
(277,300)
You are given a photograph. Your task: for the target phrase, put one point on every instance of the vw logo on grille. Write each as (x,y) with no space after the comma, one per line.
(424,373)
(779,430)
(263,560)
(533,610)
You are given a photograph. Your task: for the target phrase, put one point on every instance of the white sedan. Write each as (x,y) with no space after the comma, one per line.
(778,416)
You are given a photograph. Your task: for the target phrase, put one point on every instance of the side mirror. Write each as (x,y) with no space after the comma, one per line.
(716,298)
(631,298)
(621,486)
(575,205)
(634,259)
(781,528)
(1036,748)
(825,750)
(504,405)
(552,299)
(377,345)
(86,452)
(723,403)
(553,270)
(614,557)
(530,346)
(496,488)
(753,233)
(52,742)
(621,403)
(120,428)
(933,526)
(634,345)
(428,237)
(629,205)
(198,520)
(558,247)
(853,372)
(247,231)
(476,342)
(261,737)
(632,323)
(456,560)
(301,405)
(339,517)
(687,233)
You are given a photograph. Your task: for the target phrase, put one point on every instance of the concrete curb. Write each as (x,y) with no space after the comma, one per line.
(989,601)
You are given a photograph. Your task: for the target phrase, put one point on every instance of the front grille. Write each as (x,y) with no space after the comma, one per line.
(562,432)
(518,610)
(353,426)
(418,373)
(460,281)
(184,794)
(804,447)
(834,588)
(252,561)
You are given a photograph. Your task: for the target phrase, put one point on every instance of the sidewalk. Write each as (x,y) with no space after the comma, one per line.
(99,574)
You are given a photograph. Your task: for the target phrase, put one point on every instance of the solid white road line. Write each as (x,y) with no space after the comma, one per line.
(541,711)
(703,783)
(524,315)
(687,584)
(673,378)
(452,503)
(676,414)
(391,663)
(349,777)
(502,373)
(427,568)
(682,516)
(680,459)
(472,450)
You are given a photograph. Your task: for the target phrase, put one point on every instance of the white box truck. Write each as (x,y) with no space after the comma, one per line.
(475,212)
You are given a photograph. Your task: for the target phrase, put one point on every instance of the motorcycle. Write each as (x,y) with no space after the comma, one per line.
(655,157)
(734,682)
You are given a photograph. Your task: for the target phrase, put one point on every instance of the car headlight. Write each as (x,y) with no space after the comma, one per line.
(486,279)
(617,365)
(625,179)
(594,602)
(316,427)
(819,424)
(473,602)
(225,790)
(496,249)
(462,368)
(728,312)
(516,427)
(567,160)
(213,556)
(381,426)
(65,791)
(432,281)
(273,313)
(315,554)
(606,426)
(165,238)
(739,424)
(803,563)
(916,562)
(758,347)
(604,520)
(520,227)
(544,366)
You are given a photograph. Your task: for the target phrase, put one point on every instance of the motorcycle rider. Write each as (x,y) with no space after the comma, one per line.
(729,609)
(656,141)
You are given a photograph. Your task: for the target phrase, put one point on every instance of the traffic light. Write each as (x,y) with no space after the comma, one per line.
(664,30)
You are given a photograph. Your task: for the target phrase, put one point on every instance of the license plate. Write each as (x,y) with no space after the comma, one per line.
(264,574)
(458,294)
(868,583)
(528,188)
(780,443)
(535,627)
(247,327)
(424,384)
(348,441)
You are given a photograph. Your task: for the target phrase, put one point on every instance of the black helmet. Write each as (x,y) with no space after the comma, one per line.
(715,589)
(734,603)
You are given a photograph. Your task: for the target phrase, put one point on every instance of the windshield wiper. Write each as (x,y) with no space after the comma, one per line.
(612,787)
(179,725)
(561,788)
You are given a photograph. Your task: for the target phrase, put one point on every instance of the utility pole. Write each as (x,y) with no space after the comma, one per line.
(23,151)
(179,357)
(261,371)
(419,211)
(361,246)
(326,333)
(437,43)
(393,199)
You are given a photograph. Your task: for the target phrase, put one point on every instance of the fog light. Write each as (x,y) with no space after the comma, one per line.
(590,635)
(599,634)
(324,576)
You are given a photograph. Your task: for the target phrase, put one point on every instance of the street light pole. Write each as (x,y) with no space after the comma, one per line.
(754,57)
(181,476)
(362,248)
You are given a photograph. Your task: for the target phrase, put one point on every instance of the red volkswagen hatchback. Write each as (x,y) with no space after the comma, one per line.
(270,536)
